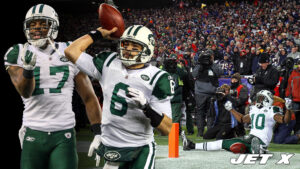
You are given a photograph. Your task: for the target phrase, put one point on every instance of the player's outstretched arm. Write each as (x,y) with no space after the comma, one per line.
(287,116)
(238,116)
(81,44)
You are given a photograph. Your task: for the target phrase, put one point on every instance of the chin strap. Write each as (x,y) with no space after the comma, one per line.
(56,50)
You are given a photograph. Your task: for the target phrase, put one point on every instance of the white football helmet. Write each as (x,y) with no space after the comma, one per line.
(264,98)
(143,36)
(45,12)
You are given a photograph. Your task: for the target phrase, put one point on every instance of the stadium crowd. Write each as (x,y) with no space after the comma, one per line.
(237,33)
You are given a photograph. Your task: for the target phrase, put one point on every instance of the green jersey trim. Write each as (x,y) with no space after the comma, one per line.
(152,80)
(110,60)
(100,59)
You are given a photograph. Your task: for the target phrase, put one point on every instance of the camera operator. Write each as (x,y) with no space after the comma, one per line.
(206,74)
(224,121)
(239,93)
(266,77)
(286,69)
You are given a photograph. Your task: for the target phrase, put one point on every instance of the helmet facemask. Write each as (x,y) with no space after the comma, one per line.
(135,60)
(46,14)
(51,25)
(264,98)
(141,35)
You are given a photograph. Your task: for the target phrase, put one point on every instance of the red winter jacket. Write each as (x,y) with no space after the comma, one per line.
(293,87)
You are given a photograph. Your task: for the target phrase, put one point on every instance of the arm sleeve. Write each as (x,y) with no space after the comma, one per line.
(85,64)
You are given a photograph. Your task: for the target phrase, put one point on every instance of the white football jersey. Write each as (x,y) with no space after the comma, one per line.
(123,123)
(50,106)
(262,122)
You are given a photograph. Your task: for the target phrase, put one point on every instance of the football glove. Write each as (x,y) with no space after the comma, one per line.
(138,96)
(28,58)
(22,132)
(228,105)
(94,146)
(288,103)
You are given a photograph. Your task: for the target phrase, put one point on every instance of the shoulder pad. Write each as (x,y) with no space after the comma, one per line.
(12,54)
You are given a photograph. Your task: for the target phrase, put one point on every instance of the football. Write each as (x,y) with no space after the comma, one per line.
(238,148)
(111,17)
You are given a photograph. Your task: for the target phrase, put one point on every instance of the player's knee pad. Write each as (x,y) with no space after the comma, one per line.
(238,148)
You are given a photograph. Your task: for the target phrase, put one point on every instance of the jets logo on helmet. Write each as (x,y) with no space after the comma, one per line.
(41,12)
(141,35)
(264,98)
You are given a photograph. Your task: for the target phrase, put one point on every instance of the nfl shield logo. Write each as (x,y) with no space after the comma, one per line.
(68,135)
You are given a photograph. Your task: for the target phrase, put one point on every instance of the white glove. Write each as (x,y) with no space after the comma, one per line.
(22,132)
(228,105)
(28,58)
(288,103)
(138,96)
(94,146)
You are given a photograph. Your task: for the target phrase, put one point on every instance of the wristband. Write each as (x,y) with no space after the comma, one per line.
(96,129)
(153,116)
(95,35)
(28,74)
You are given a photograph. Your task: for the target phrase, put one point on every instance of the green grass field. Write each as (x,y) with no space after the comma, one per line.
(84,135)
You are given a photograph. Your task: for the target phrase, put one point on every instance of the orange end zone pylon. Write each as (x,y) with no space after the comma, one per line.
(174,141)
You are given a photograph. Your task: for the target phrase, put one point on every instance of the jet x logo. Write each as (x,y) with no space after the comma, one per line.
(285,158)
(262,158)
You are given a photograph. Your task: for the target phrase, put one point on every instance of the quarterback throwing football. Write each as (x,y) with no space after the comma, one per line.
(136,96)
(262,117)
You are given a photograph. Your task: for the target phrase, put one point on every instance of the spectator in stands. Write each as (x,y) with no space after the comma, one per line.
(293,91)
(280,56)
(294,54)
(283,132)
(226,65)
(242,63)
(254,60)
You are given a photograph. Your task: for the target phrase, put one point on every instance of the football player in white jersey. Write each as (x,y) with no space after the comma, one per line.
(45,80)
(262,116)
(136,95)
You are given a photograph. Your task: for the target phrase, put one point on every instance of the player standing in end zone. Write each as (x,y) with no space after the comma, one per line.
(45,79)
(262,117)
(136,96)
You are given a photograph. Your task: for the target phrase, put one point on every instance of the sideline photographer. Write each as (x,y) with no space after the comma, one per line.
(239,93)
(224,122)
(206,74)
